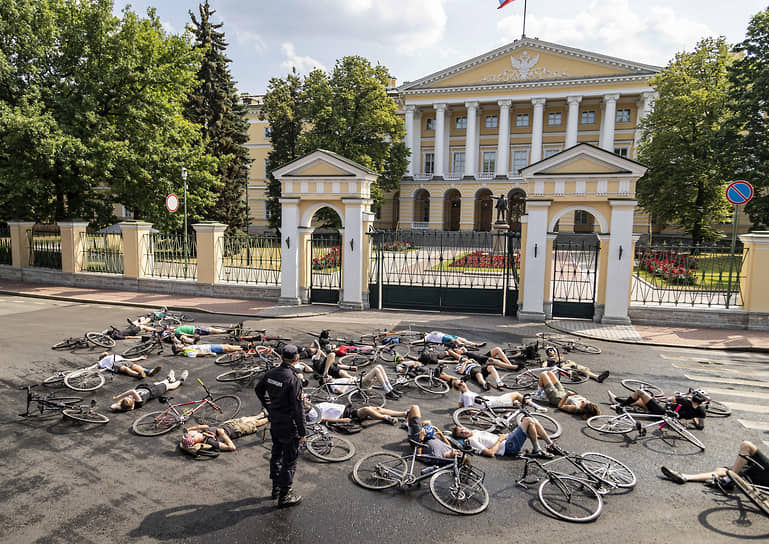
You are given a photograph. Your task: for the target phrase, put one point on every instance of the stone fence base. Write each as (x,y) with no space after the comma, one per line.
(705,318)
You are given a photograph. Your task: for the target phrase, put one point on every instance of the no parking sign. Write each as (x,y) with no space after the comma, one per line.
(739,192)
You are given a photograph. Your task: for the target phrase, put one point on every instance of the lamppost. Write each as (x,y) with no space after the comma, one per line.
(186,254)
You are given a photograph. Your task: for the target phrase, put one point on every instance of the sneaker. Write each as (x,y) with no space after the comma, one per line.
(392,395)
(480,345)
(539,395)
(554,449)
(725,483)
(185,374)
(672,475)
(154,371)
(602,376)
(542,454)
(499,386)
(612,397)
(288,498)
(391,420)
(437,371)
(171,376)
(486,386)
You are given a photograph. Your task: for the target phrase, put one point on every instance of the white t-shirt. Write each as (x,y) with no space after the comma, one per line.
(434,337)
(481,440)
(325,410)
(110,361)
(468,399)
(341,385)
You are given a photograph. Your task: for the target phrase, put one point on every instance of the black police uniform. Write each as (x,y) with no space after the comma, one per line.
(280,391)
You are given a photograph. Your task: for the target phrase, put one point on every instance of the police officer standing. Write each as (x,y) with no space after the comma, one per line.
(280,391)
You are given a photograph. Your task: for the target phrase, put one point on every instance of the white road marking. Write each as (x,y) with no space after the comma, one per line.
(726,370)
(736,393)
(756,425)
(755,408)
(731,381)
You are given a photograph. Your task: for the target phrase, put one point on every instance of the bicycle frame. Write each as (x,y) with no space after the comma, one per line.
(186,413)
(601,485)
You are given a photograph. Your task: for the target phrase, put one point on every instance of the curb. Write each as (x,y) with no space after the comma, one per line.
(748,349)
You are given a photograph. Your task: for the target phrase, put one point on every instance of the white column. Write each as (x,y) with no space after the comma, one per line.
(440,129)
(572,122)
(620,266)
(352,254)
(503,141)
(470,138)
(608,122)
(535,261)
(644,108)
(536,129)
(417,141)
(289,247)
(409,121)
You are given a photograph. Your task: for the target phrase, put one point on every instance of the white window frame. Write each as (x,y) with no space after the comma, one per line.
(491,121)
(582,217)
(623,115)
(488,159)
(554,116)
(454,161)
(623,151)
(587,117)
(550,151)
(428,159)
(521,120)
(517,160)
(461,123)
(430,124)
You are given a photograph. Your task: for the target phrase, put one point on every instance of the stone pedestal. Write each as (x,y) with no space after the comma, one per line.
(500,229)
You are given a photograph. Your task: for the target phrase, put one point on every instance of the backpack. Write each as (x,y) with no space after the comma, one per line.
(345,428)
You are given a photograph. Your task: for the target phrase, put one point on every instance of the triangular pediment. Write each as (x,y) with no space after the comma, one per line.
(584,160)
(323,164)
(529,60)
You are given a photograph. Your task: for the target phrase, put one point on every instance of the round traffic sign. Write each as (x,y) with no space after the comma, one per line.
(739,192)
(172,202)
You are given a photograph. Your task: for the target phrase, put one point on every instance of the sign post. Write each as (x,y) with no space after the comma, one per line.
(737,192)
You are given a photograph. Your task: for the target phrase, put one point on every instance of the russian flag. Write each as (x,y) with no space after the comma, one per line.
(503,3)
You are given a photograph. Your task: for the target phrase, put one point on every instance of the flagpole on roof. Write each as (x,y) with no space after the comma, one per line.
(523,34)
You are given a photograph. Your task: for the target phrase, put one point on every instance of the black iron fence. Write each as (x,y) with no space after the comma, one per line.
(250,259)
(5,245)
(45,247)
(170,256)
(102,252)
(706,274)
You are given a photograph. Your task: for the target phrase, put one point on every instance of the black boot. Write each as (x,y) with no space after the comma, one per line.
(288,498)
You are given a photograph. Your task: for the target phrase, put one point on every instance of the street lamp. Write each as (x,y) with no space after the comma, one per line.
(186,254)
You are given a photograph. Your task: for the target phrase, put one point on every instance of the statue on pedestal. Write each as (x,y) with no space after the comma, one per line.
(501,207)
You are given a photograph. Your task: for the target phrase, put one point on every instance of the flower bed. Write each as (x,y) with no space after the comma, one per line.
(483,260)
(670,265)
(397,245)
(330,261)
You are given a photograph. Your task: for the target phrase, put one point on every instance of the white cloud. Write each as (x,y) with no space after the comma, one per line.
(615,27)
(251,40)
(303,65)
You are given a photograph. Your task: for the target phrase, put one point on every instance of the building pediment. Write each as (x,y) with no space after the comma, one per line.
(529,60)
(584,160)
(323,164)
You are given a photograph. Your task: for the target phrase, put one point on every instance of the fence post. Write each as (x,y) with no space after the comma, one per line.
(135,256)
(755,263)
(209,237)
(20,254)
(72,245)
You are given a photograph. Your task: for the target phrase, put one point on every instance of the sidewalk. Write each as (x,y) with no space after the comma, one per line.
(682,337)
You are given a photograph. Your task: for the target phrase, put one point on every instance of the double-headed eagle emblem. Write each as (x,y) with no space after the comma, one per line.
(524,63)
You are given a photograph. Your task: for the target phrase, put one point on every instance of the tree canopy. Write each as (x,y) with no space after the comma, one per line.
(681,141)
(91,114)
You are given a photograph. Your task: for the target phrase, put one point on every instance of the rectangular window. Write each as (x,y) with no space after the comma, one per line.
(520,160)
(588,117)
(430,124)
(458,162)
(522,120)
(268,132)
(551,151)
(554,118)
(623,115)
(489,162)
(491,121)
(429,163)
(461,123)
(622,151)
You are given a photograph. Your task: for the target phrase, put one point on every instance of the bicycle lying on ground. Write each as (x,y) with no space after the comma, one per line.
(322,443)
(85,341)
(69,407)
(712,407)
(529,378)
(145,346)
(426,381)
(568,343)
(502,420)
(89,378)
(350,393)
(625,422)
(206,411)
(253,366)
(758,494)
(577,496)
(454,483)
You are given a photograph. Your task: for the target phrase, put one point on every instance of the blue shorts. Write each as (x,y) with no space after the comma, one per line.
(515,441)
(449,338)
(217,348)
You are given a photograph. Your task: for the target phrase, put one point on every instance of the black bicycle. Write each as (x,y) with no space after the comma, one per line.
(41,406)
(146,345)
(85,341)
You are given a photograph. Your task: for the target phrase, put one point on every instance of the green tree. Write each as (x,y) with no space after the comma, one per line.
(215,106)
(747,136)
(680,141)
(91,114)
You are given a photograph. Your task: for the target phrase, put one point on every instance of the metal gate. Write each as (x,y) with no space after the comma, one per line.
(326,267)
(464,271)
(575,270)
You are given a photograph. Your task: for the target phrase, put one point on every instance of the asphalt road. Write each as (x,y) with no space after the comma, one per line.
(61,482)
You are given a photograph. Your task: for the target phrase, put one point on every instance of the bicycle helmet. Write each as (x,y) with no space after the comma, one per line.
(698,395)
(429,431)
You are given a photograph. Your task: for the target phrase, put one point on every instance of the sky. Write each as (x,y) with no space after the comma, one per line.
(414,38)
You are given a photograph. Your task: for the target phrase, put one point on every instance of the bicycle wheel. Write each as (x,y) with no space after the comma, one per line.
(758,497)
(461,493)
(84,416)
(156,423)
(86,379)
(717,409)
(366,397)
(69,343)
(570,499)
(525,380)
(230,358)
(319,394)
(218,410)
(330,447)
(139,349)
(379,471)
(169,321)
(409,335)
(572,375)
(611,424)
(473,418)
(236,375)
(99,339)
(608,469)
(684,433)
(54,379)
(633,385)
(431,384)
(551,426)
(586,348)
(356,359)
(44,410)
